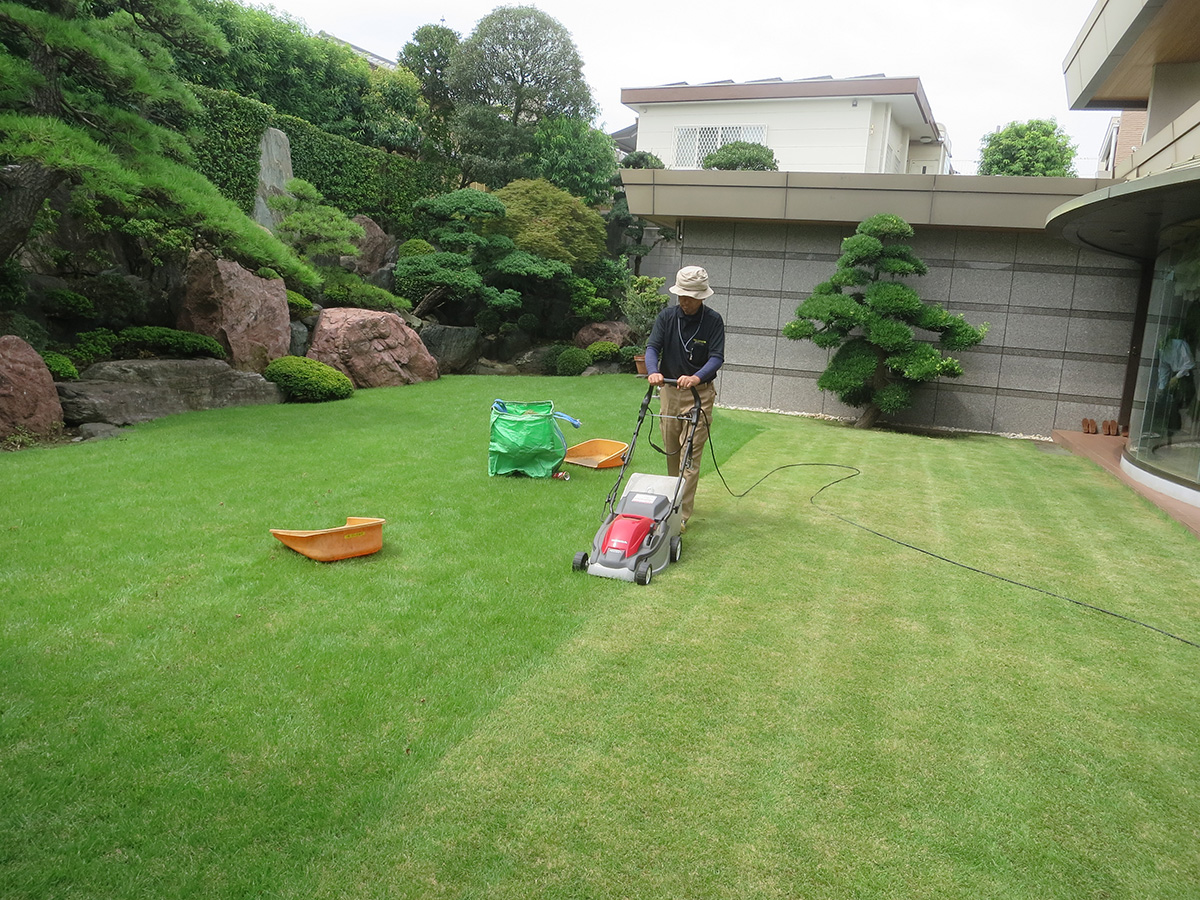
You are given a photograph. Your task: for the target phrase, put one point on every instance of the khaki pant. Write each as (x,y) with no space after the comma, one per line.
(674,402)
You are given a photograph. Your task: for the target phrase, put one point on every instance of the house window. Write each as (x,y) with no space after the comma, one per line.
(694,142)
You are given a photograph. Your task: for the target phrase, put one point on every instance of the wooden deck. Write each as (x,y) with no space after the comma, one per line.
(1105,451)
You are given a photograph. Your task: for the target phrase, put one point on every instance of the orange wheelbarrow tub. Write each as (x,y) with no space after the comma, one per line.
(597,454)
(358,537)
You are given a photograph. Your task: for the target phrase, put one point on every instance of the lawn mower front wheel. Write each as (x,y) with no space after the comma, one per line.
(643,572)
(580,562)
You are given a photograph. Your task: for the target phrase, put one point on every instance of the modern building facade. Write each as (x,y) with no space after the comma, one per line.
(1144,55)
(1091,286)
(854,125)
(1060,316)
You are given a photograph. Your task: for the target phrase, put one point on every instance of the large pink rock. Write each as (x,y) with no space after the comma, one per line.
(245,314)
(617,332)
(28,398)
(373,349)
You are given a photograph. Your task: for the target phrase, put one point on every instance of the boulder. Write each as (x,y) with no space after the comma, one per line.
(455,349)
(495,367)
(28,399)
(274,172)
(375,249)
(617,332)
(124,392)
(298,345)
(373,349)
(245,314)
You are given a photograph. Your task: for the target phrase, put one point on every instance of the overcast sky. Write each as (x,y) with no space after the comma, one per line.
(982,65)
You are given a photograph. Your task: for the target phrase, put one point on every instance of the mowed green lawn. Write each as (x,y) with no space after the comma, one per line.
(798,709)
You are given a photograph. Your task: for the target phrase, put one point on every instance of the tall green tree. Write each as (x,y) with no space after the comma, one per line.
(1036,147)
(871,319)
(517,68)
(428,57)
(523,62)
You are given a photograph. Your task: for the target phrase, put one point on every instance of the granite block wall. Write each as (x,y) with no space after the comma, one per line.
(1061,321)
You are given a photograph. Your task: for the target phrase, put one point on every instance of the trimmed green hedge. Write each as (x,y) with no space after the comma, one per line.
(354,178)
(305,380)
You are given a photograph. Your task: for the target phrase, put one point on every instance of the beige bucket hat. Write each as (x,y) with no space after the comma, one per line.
(693,282)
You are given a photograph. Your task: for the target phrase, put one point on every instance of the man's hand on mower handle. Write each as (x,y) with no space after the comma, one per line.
(655,378)
(686,382)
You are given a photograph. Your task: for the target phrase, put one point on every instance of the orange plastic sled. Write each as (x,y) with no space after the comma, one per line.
(597,454)
(358,537)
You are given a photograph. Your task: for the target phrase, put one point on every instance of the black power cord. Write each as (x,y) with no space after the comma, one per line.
(855,472)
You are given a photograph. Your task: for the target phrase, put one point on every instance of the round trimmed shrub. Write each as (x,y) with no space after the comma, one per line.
(603,351)
(61,368)
(528,322)
(572,361)
(415,247)
(305,380)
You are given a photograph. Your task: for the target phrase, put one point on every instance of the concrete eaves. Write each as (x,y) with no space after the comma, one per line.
(961,201)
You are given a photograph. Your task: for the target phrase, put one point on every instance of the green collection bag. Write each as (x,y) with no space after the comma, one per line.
(526,438)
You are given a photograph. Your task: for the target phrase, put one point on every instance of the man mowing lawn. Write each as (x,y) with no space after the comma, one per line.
(688,343)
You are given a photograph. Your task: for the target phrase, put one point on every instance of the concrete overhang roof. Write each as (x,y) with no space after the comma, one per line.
(668,196)
(1136,219)
(1111,64)
(907,97)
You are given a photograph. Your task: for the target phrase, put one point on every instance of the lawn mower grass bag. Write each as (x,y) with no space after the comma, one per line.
(526,438)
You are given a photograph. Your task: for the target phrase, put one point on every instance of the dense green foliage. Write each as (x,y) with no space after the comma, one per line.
(551,223)
(603,351)
(1036,147)
(518,68)
(741,155)
(871,320)
(641,303)
(575,157)
(572,361)
(60,366)
(140,340)
(524,62)
(298,305)
(355,178)
(344,288)
(312,227)
(305,380)
(92,102)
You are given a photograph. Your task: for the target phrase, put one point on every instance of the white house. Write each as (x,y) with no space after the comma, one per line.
(871,124)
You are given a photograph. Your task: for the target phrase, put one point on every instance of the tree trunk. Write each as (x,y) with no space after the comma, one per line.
(23,190)
(870,415)
(431,301)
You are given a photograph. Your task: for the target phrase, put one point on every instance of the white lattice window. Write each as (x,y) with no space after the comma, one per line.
(694,142)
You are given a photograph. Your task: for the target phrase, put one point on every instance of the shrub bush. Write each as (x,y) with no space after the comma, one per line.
(169,342)
(299,306)
(603,351)
(528,323)
(29,330)
(743,156)
(67,305)
(60,366)
(415,247)
(487,320)
(343,288)
(305,380)
(572,361)
(91,346)
(628,352)
(267,272)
